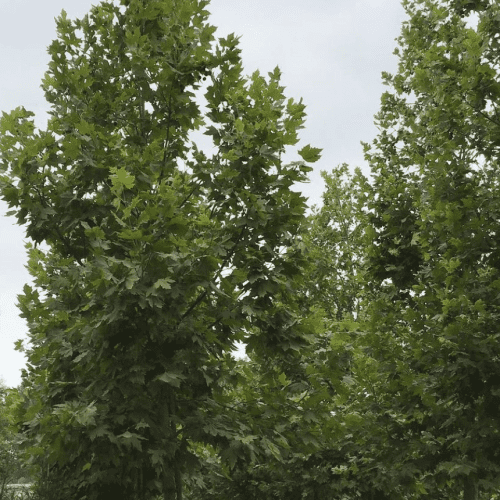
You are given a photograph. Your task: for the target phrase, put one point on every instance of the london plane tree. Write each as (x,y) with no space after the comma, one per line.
(150,258)
(434,258)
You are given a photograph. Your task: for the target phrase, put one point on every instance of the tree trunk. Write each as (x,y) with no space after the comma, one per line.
(177,471)
(178,482)
(172,481)
(3,484)
(470,488)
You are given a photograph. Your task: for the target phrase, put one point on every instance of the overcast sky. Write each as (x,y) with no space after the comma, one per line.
(331,53)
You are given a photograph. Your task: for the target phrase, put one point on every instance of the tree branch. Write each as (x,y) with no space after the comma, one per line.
(203,295)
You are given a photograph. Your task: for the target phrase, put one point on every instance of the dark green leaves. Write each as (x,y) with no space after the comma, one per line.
(434,219)
(157,259)
(310,154)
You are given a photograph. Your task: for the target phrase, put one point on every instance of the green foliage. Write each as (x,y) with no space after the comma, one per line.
(433,257)
(402,282)
(404,275)
(280,421)
(157,258)
(370,326)
(12,468)
(311,415)
(335,241)
(7,457)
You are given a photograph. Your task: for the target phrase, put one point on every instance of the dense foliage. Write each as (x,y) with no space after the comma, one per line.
(434,257)
(157,258)
(373,366)
(10,455)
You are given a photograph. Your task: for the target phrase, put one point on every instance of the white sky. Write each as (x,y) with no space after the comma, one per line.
(331,53)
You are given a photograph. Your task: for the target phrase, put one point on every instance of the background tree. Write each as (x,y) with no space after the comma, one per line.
(11,460)
(334,238)
(156,257)
(7,457)
(317,426)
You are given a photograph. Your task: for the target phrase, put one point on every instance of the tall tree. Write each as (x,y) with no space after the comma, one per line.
(434,257)
(156,257)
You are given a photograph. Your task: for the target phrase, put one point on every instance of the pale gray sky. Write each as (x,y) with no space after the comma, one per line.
(331,53)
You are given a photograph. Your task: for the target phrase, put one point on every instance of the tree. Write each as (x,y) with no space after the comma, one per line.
(433,260)
(157,259)
(356,459)
(11,464)
(334,238)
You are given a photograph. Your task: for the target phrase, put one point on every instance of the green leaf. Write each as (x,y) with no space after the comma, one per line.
(239,125)
(164,283)
(132,279)
(283,380)
(310,154)
(129,234)
(272,449)
(173,379)
(132,439)
(120,177)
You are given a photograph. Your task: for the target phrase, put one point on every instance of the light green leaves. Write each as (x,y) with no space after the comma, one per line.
(164,283)
(121,178)
(131,279)
(283,380)
(173,379)
(239,125)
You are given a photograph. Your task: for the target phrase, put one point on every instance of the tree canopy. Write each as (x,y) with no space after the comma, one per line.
(157,258)
(370,323)
(435,229)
